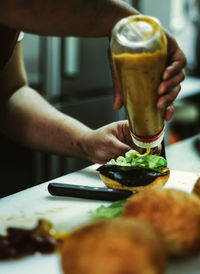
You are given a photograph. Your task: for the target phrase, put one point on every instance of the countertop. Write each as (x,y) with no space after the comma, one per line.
(183,155)
(189,87)
(26,207)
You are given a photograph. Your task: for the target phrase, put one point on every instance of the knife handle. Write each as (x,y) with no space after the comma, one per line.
(87,192)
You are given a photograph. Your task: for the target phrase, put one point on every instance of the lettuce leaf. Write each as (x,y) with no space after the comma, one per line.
(133,158)
(107,212)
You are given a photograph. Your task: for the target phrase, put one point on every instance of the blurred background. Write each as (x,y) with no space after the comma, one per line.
(74,75)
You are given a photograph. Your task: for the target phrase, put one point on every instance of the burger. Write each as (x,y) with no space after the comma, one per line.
(135,172)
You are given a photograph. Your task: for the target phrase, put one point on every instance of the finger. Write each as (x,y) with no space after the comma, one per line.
(176,60)
(169,112)
(172,70)
(125,136)
(171,83)
(123,132)
(118,149)
(166,99)
(117,99)
(113,148)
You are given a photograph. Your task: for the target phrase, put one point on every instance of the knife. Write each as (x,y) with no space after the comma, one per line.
(88,192)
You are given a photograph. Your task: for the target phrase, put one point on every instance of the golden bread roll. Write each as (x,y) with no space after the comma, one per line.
(174,214)
(113,247)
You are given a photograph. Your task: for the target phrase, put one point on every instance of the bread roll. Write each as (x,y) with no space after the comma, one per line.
(174,214)
(113,247)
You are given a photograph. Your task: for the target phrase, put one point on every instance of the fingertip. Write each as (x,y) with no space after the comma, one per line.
(169,113)
(117,105)
(117,101)
(161,89)
(161,103)
(165,75)
(168,117)
(168,72)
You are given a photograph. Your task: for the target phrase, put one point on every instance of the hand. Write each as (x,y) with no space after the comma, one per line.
(172,77)
(108,142)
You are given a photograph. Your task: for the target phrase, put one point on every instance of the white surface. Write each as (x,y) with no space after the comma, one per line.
(190,86)
(26,207)
(183,156)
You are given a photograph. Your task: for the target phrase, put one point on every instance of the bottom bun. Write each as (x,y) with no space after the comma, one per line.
(159,182)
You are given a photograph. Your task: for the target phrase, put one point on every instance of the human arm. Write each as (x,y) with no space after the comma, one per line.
(93,19)
(26,117)
(64,17)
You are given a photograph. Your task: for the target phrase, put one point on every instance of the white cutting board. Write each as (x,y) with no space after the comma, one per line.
(26,207)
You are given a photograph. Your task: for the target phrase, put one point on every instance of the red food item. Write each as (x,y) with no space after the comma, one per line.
(20,242)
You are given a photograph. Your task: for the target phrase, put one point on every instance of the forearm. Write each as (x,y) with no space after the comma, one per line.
(27,118)
(64,17)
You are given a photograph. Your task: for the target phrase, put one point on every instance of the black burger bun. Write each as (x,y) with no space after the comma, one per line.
(133,178)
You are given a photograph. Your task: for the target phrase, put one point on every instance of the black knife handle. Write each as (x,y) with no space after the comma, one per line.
(87,192)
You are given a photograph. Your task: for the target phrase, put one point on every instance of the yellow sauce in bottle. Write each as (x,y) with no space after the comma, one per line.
(139,76)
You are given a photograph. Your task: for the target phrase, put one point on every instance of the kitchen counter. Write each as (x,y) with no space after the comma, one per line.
(26,207)
(183,155)
(189,87)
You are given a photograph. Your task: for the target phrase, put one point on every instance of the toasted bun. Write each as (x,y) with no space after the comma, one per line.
(113,247)
(159,182)
(174,214)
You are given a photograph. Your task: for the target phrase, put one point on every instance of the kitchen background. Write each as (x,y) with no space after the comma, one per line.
(74,75)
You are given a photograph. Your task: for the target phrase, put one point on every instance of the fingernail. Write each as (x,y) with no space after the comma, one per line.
(165,75)
(161,90)
(161,104)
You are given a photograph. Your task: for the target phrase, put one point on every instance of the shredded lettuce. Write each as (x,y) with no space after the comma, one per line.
(133,158)
(107,212)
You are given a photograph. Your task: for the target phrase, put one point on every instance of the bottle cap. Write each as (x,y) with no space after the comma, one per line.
(137,33)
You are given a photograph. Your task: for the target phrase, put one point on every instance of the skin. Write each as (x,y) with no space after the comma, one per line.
(27,118)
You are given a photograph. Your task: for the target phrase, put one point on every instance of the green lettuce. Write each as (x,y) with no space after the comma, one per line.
(133,158)
(107,212)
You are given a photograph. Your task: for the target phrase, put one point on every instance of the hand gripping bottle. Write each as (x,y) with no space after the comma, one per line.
(139,52)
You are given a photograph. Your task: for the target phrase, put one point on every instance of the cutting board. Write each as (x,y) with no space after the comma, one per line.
(26,207)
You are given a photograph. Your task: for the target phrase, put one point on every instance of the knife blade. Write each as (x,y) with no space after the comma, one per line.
(88,192)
